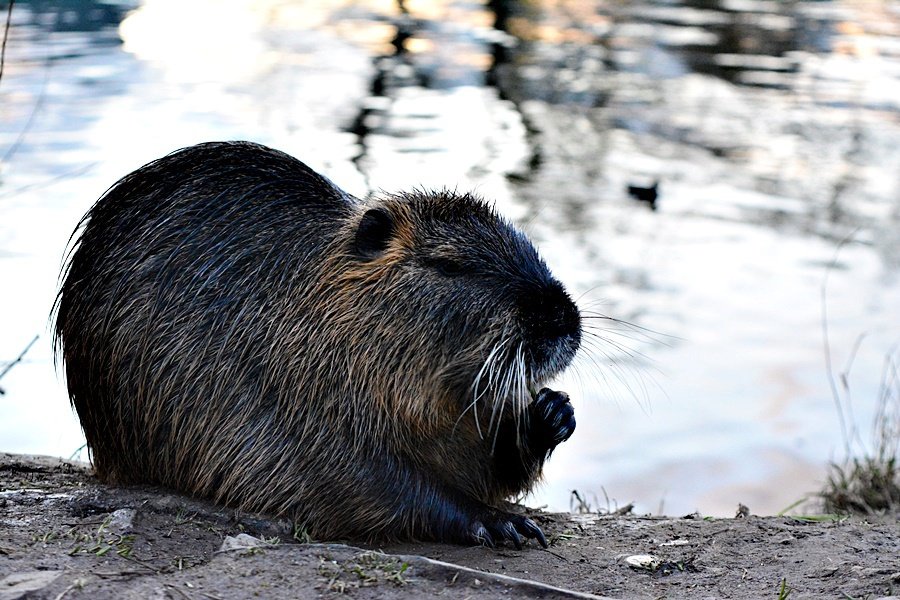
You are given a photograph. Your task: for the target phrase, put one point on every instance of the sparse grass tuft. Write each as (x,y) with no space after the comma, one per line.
(865,485)
(785,590)
(580,505)
(823,518)
(301,534)
(99,543)
(868,481)
(365,570)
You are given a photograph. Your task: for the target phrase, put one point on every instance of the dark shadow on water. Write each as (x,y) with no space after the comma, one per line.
(87,16)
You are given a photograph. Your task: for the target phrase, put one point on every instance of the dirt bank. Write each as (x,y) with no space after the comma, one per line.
(65,536)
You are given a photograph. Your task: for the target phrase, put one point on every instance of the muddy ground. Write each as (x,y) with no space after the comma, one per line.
(65,536)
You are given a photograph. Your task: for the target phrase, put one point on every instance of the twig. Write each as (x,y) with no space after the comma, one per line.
(5,37)
(34,110)
(559,556)
(177,589)
(76,172)
(18,359)
(78,583)
(78,451)
(625,510)
(110,574)
(145,564)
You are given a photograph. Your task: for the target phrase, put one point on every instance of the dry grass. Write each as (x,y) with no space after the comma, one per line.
(871,484)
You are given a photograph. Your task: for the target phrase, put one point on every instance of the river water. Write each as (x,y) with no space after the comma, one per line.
(773,129)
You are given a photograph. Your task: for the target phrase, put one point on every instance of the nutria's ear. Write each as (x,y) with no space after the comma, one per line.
(374,232)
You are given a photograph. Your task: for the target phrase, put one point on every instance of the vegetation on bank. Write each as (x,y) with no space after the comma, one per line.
(870,483)
(866,485)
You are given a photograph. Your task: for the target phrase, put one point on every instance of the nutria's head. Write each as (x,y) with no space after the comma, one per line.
(443,294)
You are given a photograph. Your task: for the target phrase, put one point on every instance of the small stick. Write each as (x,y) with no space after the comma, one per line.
(18,359)
(5,37)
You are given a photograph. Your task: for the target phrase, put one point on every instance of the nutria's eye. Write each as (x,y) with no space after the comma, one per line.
(448,267)
(374,232)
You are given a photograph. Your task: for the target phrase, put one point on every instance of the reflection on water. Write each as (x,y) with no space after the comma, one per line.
(99,19)
(772,129)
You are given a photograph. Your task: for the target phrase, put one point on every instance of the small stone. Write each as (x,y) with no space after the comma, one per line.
(241,541)
(122,520)
(678,542)
(646,562)
(19,585)
(786,539)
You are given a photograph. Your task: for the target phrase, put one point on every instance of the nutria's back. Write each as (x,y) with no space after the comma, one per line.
(235,326)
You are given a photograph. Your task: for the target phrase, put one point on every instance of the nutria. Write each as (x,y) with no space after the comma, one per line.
(236,327)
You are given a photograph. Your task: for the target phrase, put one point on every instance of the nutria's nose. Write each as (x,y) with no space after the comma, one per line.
(548,315)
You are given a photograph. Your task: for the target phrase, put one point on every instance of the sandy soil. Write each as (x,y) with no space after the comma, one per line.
(65,536)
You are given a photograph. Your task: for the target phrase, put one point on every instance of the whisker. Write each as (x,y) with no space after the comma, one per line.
(486,368)
(631,353)
(651,334)
(597,301)
(599,363)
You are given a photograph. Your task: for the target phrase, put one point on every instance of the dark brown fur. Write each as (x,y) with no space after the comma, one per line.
(236,327)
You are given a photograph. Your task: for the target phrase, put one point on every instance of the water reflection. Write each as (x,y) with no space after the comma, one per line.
(771,127)
(68,16)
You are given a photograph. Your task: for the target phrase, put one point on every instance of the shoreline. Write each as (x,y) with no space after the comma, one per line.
(63,535)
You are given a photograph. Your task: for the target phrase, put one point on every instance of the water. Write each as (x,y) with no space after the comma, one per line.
(773,129)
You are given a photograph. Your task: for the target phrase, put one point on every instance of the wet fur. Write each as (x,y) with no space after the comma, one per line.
(236,327)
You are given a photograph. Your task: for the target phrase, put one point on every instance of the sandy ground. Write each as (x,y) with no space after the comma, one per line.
(65,536)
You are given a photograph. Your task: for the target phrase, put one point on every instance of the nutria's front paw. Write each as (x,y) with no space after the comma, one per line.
(553,420)
(496,526)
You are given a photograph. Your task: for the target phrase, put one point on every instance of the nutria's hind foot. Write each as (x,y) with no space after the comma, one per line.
(553,420)
(497,526)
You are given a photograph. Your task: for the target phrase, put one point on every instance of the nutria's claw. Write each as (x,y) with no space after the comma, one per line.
(507,527)
(554,419)
(481,536)
(533,531)
(510,533)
